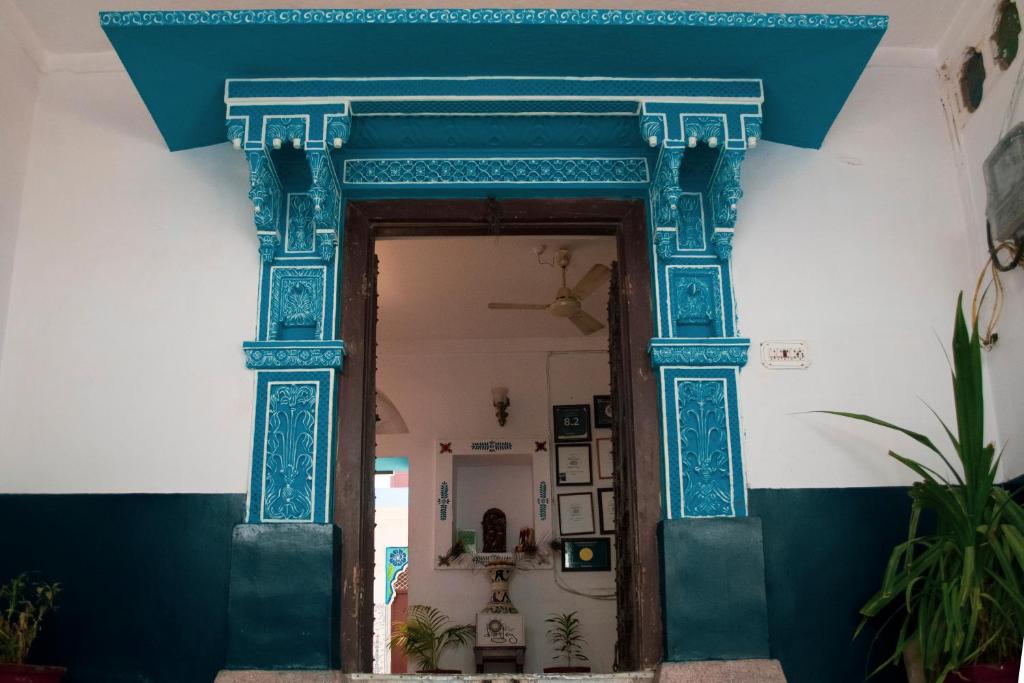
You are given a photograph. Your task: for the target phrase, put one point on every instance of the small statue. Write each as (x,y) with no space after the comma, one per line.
(494,531)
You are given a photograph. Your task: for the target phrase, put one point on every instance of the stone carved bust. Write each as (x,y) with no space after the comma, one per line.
(494,531)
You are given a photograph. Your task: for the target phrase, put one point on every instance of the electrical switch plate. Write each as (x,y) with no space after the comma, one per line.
(785,355)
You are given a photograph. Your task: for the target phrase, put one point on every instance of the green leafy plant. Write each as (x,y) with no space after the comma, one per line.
(23,605)
(565,636)
(957,591)
(426,634)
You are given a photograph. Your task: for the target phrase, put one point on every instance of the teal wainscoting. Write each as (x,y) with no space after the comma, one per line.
(145,581)
(825,552)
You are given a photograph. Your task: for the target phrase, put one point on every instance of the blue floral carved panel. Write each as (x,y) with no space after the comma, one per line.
(292,447)
(297,300)
(299,227)
(290,450)
(703,463)
(496,171)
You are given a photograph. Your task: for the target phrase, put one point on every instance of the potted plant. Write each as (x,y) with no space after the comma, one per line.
(566,639)
(425,635)
(23,605)
(956,592)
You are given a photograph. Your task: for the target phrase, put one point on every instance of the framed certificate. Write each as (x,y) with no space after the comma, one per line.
(572,464)
(606,510)
(575,513)
(572,423)
(604,459)
(587,555)
(603,412)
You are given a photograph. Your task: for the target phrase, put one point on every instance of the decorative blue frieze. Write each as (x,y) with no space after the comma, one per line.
(496,171)
(313,127)
(699,352)
(292,447)
(279,129)
(285,355)
(597,17)
(703,467)
(703,128)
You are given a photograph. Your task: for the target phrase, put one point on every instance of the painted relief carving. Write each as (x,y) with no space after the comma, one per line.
(697,302)
(664,243)
(300,223)
(264,191)
(691,228)
(297,357)
(725,188)
(652,129)
(698,354)
(665,190)
(269,242)
(723,244)
(708,129)
(324,190)
(326,245)
(285,130)
(339,127)
(705,449)
(553,170)
(296,300)
(291,427)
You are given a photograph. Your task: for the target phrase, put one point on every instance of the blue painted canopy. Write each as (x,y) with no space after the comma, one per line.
(179,61)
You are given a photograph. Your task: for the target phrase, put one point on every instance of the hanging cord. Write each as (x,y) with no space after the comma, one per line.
(992,268)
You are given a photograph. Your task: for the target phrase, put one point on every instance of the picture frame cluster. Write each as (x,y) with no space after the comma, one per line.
(575,445)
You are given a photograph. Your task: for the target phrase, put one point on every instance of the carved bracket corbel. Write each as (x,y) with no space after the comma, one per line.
(724,190)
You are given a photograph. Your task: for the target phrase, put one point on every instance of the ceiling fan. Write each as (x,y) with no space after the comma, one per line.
(567,302)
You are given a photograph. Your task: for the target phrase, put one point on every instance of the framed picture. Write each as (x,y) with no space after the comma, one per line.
(606,510)
(572,464)
(603,412)
(575,513)
(586,555)
(605,464)
(572,423)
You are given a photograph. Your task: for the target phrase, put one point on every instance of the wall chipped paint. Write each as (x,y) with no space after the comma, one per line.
(19,83)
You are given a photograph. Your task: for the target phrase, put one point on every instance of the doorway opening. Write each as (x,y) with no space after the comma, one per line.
(500,334)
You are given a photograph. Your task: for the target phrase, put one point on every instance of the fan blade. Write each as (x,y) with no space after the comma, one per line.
(517,307)
(586,323)
(594,278)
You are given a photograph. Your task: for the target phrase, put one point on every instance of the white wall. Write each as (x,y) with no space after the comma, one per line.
(135,283)
(859,249)
(443,390)
(19,82)
(134,286)
(974,135)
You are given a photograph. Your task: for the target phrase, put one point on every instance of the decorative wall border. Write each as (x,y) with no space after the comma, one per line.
(284,355)
(496,171)
(598,17)
(699,352)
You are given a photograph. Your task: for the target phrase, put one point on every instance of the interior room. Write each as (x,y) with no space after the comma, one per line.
(446,360)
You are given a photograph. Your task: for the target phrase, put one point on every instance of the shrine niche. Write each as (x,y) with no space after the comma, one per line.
(494,525)
(473,513)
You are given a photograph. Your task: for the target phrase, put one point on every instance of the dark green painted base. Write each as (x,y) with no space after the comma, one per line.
(283,602)
(713,589)
(144,578)
(825,552)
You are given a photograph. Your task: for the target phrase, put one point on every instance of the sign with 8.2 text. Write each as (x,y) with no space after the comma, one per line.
(572,423)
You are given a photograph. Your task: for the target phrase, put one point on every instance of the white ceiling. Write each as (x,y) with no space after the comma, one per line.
(439,288)
(63,27)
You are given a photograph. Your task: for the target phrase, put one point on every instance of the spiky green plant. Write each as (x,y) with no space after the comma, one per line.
(958,590)
(564,632)
(425,635)
(23,605)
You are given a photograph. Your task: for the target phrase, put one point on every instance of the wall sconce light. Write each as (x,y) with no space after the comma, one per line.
(499,396)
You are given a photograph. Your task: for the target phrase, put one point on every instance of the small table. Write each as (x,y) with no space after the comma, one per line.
(485,654)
